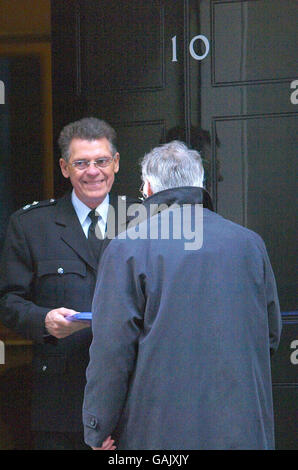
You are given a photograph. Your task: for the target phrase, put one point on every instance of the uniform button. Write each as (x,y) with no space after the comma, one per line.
(44,368)
(60,270)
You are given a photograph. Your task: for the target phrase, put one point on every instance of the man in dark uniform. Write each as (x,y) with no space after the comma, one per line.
(48,272)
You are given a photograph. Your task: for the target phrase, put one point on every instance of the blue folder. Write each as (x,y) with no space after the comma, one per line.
(81,316)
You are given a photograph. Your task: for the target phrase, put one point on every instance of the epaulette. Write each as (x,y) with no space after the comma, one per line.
(36,204)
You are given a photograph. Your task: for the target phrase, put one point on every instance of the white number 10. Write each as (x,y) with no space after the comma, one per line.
(191,48)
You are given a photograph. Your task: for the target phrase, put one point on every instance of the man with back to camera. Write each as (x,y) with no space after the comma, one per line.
(48,271)
(189,333)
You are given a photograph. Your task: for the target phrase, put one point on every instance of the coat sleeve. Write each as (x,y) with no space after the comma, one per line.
(117,321)
(17,311)
(273,307)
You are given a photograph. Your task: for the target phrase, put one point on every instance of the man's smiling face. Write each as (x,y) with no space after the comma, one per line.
(92,184)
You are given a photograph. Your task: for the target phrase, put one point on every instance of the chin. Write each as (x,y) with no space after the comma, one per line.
(96,197)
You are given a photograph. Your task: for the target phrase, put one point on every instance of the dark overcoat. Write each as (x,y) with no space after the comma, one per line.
(180,357)
(47,264)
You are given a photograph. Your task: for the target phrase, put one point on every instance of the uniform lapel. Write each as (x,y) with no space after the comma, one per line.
(112,223)
(117,219)
(71,231)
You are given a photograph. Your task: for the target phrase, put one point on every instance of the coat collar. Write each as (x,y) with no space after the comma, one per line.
(182,195)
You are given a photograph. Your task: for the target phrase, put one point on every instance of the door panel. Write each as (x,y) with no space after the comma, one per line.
(131,145)
(135,45)
(258,184)
(260,37)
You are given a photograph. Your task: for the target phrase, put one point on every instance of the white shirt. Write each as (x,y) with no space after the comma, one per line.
(82,212)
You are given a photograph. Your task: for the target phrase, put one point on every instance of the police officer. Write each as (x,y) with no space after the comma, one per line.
(48,273)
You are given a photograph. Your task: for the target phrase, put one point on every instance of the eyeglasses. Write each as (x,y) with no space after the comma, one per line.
(141,190)
(99,163)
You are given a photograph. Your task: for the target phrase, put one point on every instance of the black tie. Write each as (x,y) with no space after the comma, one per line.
(94,234)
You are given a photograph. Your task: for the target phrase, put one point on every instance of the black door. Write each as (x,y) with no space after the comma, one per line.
(220,75)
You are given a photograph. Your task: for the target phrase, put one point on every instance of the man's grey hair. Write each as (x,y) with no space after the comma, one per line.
(89,128)
(172,165)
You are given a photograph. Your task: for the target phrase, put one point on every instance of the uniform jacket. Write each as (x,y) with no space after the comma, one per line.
(183,337)
(46,264)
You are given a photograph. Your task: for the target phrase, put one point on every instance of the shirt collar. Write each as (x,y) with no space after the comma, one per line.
(82,210)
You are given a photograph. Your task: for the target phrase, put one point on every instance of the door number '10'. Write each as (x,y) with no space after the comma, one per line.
(191,48)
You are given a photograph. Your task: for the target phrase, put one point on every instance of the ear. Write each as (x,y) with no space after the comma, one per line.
(149,190)
(116,162)
(64,168)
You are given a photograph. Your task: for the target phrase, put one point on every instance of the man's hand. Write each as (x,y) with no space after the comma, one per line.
(108,444)
(58,326)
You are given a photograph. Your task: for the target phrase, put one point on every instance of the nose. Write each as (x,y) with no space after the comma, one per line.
(92,169)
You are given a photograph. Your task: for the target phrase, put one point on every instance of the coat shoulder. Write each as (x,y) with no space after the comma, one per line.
(122,198)
(34,206)
(241,236)
(122,202)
